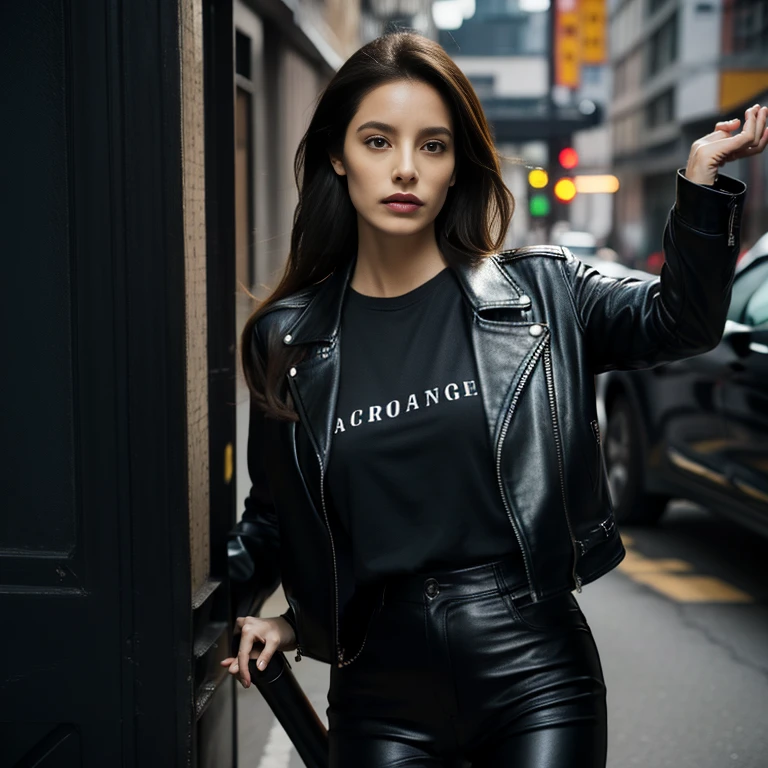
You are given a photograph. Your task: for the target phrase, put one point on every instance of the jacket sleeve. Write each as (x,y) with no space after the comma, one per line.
(632,323)
(254,543)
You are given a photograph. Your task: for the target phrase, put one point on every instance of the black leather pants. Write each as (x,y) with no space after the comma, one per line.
(461,669)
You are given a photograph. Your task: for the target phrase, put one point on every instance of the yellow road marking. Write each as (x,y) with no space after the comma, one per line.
(665,575)
(634,563)
(693,589)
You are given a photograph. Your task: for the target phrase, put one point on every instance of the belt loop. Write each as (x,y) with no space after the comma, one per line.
(501,583)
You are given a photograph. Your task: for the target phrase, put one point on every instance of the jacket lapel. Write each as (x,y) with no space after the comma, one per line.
(504,338)
(315,386)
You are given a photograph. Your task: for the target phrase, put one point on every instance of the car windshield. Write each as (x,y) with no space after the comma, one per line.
(582,251)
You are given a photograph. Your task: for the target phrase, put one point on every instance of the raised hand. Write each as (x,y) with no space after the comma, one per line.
(714,150)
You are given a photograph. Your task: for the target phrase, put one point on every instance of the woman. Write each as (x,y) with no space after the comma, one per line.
(423,444)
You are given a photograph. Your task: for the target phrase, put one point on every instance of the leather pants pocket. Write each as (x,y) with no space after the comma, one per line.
(560,612)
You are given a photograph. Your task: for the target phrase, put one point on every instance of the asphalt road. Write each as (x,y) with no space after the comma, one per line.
(682,627)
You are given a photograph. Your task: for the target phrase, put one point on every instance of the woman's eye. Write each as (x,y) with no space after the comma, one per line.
(432,147)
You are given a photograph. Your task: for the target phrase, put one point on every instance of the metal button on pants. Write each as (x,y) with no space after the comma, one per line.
(461,669)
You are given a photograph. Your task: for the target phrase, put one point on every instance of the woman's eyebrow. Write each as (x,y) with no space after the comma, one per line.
(431,130)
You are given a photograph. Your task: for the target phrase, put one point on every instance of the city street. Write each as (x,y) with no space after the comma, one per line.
(430,235)
(682,626)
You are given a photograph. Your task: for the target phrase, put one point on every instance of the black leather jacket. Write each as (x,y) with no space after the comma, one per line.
(543,324)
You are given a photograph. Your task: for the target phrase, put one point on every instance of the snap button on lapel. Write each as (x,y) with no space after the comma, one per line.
(536,330)
(287,338)
(292,372)
(523,299)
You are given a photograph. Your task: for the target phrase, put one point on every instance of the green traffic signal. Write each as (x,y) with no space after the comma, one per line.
(538,205)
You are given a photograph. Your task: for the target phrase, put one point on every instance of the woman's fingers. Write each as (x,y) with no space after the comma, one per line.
(761,118)
(259,639)
(271,645)
(752,138)
(714,150)
(243,655)
(754,125)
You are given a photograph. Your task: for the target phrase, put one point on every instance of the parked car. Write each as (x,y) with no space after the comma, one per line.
(583,245)
(697,428)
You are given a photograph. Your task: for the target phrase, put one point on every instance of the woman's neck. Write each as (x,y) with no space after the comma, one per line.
(391,265)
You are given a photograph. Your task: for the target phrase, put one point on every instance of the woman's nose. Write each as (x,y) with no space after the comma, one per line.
(405,169)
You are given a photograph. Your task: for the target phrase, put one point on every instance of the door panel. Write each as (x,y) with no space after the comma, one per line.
(745,412)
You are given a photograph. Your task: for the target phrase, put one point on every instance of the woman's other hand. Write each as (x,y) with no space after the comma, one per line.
(259,639)
(714,150)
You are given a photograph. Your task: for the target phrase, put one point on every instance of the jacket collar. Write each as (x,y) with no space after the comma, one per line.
(485,283)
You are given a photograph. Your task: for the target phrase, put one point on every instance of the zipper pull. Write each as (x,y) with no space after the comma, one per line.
(578,582)
(298,653)
(340,654)
(731,236)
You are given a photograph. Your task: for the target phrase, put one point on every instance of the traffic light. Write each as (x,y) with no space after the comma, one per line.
(564,188)
(538,199)
(568,158)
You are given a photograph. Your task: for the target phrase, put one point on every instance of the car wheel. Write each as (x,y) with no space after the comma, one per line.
(623,449)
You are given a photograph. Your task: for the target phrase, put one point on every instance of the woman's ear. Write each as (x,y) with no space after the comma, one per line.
(453,179)
(338,165)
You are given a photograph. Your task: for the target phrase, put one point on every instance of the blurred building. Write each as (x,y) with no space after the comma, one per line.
(504,48)
(678,68)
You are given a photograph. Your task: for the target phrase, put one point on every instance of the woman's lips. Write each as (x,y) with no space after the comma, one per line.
(402,207)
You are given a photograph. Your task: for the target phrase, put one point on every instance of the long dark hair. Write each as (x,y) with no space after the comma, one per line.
(474,218)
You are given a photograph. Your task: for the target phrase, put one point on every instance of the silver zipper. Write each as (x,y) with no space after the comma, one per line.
(342,662)
(731,236)
(558,445)
(499,444)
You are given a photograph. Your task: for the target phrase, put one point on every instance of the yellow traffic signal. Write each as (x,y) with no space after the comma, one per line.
(565,190)
(538,178)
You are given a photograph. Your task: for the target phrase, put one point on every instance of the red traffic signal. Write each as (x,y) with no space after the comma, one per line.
(568,158)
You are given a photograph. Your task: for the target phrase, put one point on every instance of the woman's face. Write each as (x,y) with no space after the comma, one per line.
(400,141)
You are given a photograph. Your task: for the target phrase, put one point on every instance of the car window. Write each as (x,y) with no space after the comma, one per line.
(756,312)
(747,283)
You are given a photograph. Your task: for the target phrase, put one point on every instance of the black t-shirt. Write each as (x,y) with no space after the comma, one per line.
(411,470)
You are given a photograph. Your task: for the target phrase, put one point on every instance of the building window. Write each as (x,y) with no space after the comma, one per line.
(242,54)
(483,85)
(660,110)
(750,26)
(662,48)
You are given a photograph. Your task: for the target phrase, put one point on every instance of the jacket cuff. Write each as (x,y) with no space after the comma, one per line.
(710,209)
